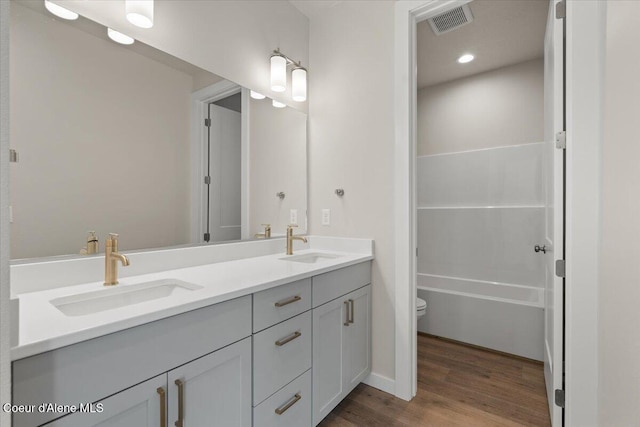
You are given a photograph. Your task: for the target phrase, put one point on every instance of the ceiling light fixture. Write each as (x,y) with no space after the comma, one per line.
(118,37)
(278,104)
(140,12)
(60,11)
(279,64)
(257,95)
(467,57)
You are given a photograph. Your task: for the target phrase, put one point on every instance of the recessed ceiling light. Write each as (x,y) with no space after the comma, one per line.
(60,11)
(118,37)
(278,104)
(466,58)
(140,12)
(257,95)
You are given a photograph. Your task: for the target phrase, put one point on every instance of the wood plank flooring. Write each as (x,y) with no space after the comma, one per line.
(458,385)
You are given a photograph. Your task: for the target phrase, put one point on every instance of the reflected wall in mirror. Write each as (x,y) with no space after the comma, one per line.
(112,138)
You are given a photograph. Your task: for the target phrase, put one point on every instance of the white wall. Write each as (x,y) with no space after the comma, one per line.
(101,146)
(278,147)
(492,109)
(351,144)
(5,327)
(233,39)
(619,313)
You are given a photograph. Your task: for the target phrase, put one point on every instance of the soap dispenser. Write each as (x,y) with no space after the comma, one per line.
(92,244)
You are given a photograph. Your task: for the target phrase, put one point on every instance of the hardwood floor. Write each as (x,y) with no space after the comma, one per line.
(458,385)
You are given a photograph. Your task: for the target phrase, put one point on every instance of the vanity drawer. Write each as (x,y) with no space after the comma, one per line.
(329,286)
(290,406)
(94,369)
(280,303)
(280,354)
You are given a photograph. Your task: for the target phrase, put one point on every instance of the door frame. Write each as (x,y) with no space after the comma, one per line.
(199,104)
(585,48)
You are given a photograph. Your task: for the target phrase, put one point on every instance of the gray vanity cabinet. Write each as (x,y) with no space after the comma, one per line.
(341,337)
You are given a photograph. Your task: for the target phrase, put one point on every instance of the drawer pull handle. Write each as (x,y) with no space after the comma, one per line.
(289,404)
(290,338)
(346,303)
(288,301)
(352,311)
(163,406)
(180,421)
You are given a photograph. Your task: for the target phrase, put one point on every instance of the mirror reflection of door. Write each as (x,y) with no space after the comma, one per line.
(223,189)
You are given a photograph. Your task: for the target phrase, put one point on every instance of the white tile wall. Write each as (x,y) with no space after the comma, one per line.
(490,177)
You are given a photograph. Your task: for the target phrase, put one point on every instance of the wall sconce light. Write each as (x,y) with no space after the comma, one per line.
(59,11)
(140,12)
(279,63)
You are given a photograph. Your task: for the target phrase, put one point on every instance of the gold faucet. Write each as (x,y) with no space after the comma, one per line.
(266,234)
(291,238)
(92,244)
(111,258)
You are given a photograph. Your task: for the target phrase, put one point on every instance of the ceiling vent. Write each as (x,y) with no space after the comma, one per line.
(450,20)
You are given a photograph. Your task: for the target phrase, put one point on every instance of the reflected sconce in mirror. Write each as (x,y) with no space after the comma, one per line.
(118,37)
(60,11)
(279,63)
(140,12)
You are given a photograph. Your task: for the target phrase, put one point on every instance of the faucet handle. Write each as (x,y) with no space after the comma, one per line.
(266,225)
(292,225)
(113,236)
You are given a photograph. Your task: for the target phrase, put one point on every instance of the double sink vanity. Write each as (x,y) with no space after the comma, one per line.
(254,338)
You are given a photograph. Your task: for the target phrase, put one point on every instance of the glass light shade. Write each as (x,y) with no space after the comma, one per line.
(278,104)
(118,37)
(257,95)
(60,11)
(278,73)
(466,58)
(299,84)
(140,12)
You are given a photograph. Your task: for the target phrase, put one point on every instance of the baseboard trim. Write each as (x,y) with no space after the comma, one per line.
(381,383)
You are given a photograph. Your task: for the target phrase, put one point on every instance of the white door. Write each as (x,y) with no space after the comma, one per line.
(358,338)
(214,390)
(554,220)
(139,406)
(328,355)
(222,195)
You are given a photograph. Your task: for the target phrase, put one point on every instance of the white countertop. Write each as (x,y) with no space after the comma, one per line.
(43,327)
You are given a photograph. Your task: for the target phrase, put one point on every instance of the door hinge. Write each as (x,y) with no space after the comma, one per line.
(559,398)
(561,140)
(207,122)
(560,268)
(207,180)
(207,237)
(561,10)
(13,156)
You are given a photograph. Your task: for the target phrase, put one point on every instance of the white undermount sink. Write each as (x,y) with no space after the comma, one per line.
(311,258)
(120,296)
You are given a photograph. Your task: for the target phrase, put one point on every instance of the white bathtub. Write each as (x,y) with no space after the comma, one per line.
(499,316)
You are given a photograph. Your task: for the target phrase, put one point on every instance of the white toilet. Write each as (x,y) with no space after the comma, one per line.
(421,307)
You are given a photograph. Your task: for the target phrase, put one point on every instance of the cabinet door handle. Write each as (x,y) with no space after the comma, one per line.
(163,407)
(290,338)
(346,303)
(289,404)
(288,301)
(352,311)
(180,421)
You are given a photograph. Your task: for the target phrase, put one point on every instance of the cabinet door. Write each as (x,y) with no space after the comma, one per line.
(328,354)
(214,390)
(138,406)
(357,364)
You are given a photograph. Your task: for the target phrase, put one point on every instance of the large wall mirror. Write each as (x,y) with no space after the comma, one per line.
(131,140)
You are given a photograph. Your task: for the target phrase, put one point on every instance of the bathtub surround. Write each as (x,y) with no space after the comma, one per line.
(480,213)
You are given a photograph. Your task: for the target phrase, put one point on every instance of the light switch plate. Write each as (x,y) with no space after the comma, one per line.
(293,216)
(326,216)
